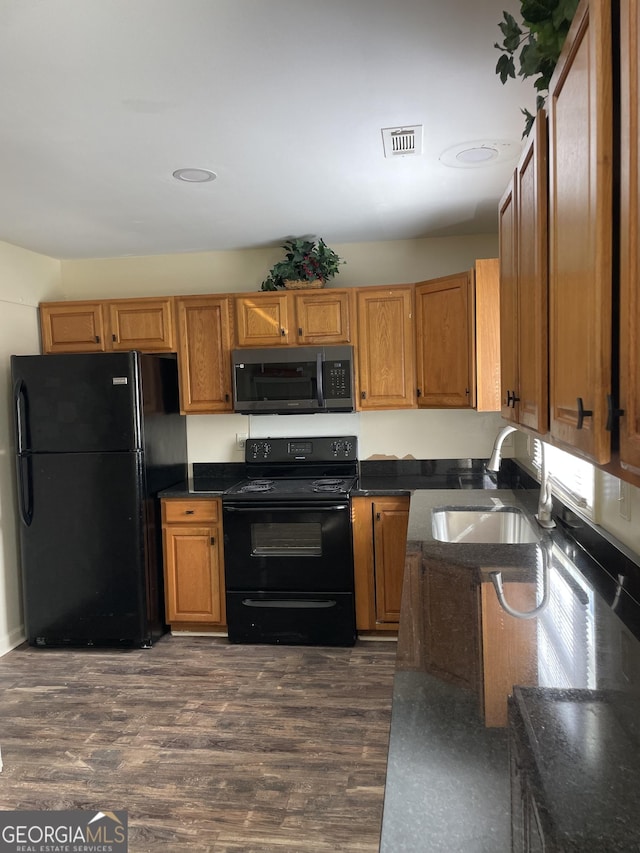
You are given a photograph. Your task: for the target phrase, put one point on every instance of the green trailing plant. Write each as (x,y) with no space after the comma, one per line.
(535,45)
(305,260)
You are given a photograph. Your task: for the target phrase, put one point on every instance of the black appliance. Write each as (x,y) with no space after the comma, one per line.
(97,435)
(287,543)
(297,380)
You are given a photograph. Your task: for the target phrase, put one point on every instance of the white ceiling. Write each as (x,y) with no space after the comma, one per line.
(101,100)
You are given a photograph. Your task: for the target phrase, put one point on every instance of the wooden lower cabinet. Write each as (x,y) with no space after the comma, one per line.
(379,543)
(193,562)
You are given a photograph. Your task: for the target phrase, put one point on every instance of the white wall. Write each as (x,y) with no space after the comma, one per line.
(428,434)
(25,280)
(392,262)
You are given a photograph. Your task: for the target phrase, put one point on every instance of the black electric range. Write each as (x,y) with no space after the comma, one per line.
(288,548)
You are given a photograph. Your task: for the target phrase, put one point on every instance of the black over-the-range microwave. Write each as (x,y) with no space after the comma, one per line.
(293,380)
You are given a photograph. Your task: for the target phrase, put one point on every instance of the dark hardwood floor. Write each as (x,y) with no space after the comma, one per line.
(208,746)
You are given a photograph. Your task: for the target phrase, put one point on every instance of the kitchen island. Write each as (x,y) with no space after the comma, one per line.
(557,766)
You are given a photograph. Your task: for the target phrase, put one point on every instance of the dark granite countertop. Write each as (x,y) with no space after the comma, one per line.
(375,477)
(448,780)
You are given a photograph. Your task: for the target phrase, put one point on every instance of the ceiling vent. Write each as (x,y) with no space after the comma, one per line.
(400,141)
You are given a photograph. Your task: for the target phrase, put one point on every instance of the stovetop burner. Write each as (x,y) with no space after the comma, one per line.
(328,485)
(292,487)
(257,486)
(298,468)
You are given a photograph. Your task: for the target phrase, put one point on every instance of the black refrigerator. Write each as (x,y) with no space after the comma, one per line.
(97,437)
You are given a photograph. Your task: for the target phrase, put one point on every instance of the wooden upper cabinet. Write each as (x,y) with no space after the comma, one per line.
(507,230)
(72,327)
(533,287)
(324,317)
(629,239)
(204,363)
(445,342)
(580,233)
(486,293)
(294,317)
(262,320)
(458,339)
(386,348)
(143,324)
(524,287)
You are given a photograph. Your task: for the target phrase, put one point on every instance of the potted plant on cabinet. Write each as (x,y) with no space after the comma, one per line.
(539,38)
(307,264)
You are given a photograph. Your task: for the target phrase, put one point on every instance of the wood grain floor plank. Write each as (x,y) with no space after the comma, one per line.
(210,747)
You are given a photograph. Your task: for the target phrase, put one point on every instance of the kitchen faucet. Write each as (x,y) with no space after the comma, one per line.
(545,504)
(496,454)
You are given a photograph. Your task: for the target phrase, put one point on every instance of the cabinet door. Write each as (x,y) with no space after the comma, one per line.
(580,233)
(507,228)
(323,318)
(72,327)
(142,324)
(193,587)
(262,320)
(509,647)
(453,619)
(363,563)
(390,520)
(386,348)
(485,287)
(532,309)
(445,342)
(630,239)
(204,344)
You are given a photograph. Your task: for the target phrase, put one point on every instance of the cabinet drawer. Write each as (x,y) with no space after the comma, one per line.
(176,511)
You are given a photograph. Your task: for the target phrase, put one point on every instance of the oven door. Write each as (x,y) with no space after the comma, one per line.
(279,546)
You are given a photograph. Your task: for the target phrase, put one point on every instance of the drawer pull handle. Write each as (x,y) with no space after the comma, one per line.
(189,511)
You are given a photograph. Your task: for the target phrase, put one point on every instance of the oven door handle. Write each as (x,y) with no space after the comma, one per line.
(319,380)
(270,506)
(289,603)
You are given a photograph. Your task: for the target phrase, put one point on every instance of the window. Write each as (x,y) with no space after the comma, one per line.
(566,629)
(572,478)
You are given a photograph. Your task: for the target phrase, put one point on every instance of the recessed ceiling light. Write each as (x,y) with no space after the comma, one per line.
(481,152)
(194,176)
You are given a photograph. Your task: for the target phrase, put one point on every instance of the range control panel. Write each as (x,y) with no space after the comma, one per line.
(321,449)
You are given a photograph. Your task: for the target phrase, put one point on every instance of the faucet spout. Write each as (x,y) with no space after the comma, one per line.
(496,455)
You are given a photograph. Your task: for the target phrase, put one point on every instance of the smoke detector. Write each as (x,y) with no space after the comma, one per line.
(479,153)
(400,141)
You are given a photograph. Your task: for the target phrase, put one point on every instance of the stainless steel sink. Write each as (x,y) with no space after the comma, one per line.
(504,525)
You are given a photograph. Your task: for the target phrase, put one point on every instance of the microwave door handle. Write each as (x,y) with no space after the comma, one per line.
(319,388)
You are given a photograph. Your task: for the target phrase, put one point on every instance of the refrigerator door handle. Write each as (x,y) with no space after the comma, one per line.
(25,492)
(18,400)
